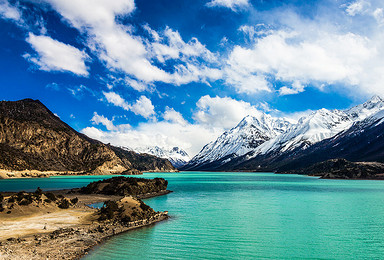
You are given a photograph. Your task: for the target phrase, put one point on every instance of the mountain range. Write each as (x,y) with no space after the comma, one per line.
(265,143)
(33,138)
(177,156)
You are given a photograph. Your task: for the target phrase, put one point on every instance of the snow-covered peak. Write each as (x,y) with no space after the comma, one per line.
(246,136)
(179,151)
(177,156)
(371,121)
(366,109)
(317,126)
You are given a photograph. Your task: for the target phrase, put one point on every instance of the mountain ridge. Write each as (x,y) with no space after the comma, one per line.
(33,138)
(293,148)
(177,156)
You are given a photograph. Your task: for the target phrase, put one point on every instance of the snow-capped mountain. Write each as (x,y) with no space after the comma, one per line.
(177,156)
(319,125)
(360,112)
(245,137)
(259,139)
(363,141)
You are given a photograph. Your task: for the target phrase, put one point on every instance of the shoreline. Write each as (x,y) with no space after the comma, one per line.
(161,217)
(75,239)
(8,174)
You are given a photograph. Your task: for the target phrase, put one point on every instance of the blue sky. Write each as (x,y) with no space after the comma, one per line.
(179,73)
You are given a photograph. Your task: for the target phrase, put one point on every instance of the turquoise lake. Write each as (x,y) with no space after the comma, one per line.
(248,216)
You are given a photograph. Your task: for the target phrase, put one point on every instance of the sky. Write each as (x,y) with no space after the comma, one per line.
(170,73)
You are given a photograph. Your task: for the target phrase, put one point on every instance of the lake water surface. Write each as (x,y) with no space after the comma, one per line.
(248,216)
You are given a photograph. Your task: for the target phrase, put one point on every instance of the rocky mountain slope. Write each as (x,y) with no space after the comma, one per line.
(343,169)
(313,139)
(33,138)
(177,156)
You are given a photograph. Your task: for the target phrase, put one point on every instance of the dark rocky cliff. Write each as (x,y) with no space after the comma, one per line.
(343,169)
(33,138)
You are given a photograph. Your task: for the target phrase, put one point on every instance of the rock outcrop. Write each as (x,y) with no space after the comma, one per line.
(125,186)
(33,138)
(343,169)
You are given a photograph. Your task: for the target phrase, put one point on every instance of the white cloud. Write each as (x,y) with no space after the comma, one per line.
(357,7)
(378,14)
(53,55)
(372,8)
(234,5)
(100,119)
(176,48)
(296,87)
(319,58)
(112,42)
(212,117)
(86,14)
(123,52)
(222,112)
(190,137)
(9,12)
(173,116)
(143,106)
(116,100)
(137,85)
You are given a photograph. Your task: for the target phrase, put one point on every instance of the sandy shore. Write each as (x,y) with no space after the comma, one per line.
(5,174)
(62,233)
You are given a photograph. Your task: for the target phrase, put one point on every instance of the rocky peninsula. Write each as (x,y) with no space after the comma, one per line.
(64,225)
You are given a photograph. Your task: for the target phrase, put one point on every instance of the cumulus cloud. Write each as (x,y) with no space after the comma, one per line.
(213,115)
(9,12)
(143,106)
(116,100)
(297,87)
(112,42)
(100,119)
(165,134)
(234,5)
(313,53)
(222,112)
(173,116)
(286,57)
(52,55)
(124,52)
(174,47)
(137,85)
